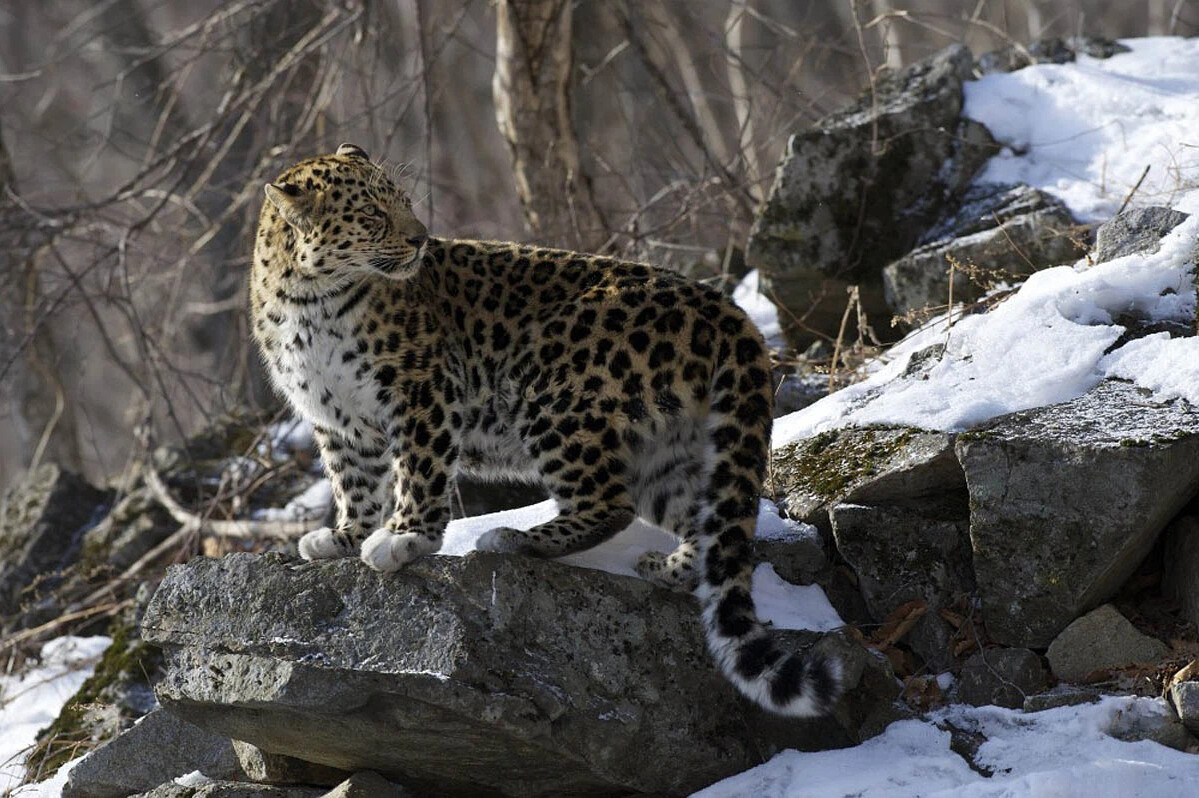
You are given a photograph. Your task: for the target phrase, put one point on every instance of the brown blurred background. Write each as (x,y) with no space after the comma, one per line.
(135,136)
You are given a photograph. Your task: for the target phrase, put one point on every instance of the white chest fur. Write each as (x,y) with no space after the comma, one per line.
(323,384)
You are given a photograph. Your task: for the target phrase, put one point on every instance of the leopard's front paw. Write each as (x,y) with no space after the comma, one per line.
(389,551)
(325,544)
(503,540)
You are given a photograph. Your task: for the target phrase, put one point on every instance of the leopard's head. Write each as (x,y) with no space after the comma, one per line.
(347,218)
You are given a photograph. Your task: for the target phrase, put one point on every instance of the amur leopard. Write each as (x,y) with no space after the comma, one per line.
(626,390)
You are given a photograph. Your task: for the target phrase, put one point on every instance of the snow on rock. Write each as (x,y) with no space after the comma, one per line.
(788,606)
(1043,345)
(1064,752)
(30,702)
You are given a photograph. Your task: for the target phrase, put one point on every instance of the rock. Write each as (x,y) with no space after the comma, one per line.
(267,768)
(795,549)
(1064,695)
(230,789)
(1134,232)
(367,784)
(915,550)
(1159,725)
(1180,579)
(1066,500)
(42,521)
(861,465)
(160,747)
(858,189)
(1185,697)
(1004,677)
(797,388)
(1005,231)
(487,673)
(1048,51)
(1099,640)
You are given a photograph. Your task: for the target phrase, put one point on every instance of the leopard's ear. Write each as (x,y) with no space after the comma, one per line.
(353,151)
(297,206)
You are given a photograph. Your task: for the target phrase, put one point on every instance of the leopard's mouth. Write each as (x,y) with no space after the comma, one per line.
(390,265)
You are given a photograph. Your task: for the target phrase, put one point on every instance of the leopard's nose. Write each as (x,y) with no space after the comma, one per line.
(417,241)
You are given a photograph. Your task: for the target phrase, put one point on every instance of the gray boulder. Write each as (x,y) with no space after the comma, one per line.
(1185,698)
(1005,231)
(1138,231)
(42,522)
(1003,677)
(484,674)
(1101,639)
(915,550)
(1180,579)
(264,767)
(160,747)
(858,189)
(861,465)
(1048,51)
(1066,500)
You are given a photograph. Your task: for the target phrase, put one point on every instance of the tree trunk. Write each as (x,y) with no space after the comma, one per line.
(38,425)
(531,89)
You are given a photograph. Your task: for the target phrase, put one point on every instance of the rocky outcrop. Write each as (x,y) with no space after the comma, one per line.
(999,233)
(1066,500)
(468,675)
(859,189)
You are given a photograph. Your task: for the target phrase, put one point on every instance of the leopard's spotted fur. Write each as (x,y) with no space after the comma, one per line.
(625,389)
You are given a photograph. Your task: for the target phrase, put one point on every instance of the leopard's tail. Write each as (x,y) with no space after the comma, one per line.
(750,654)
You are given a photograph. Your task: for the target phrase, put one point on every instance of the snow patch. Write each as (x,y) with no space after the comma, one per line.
(29,702)
(1063,752)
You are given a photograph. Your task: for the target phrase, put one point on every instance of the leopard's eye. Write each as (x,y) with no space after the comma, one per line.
(372,210)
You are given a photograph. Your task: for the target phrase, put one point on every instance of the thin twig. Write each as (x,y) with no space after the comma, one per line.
(1128,198)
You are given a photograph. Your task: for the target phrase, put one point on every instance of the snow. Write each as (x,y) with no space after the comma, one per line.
(1083,132)
(786,605)
(30,702)
(287,436)
(1064,753)
(311,505)
(761,311)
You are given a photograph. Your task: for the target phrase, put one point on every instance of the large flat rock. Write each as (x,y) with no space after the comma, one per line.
(1066,500)
(488,674)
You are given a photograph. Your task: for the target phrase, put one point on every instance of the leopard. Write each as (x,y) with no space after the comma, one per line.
(625,390)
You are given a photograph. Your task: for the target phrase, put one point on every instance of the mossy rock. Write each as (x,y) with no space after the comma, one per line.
(870,464)
(117,693)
